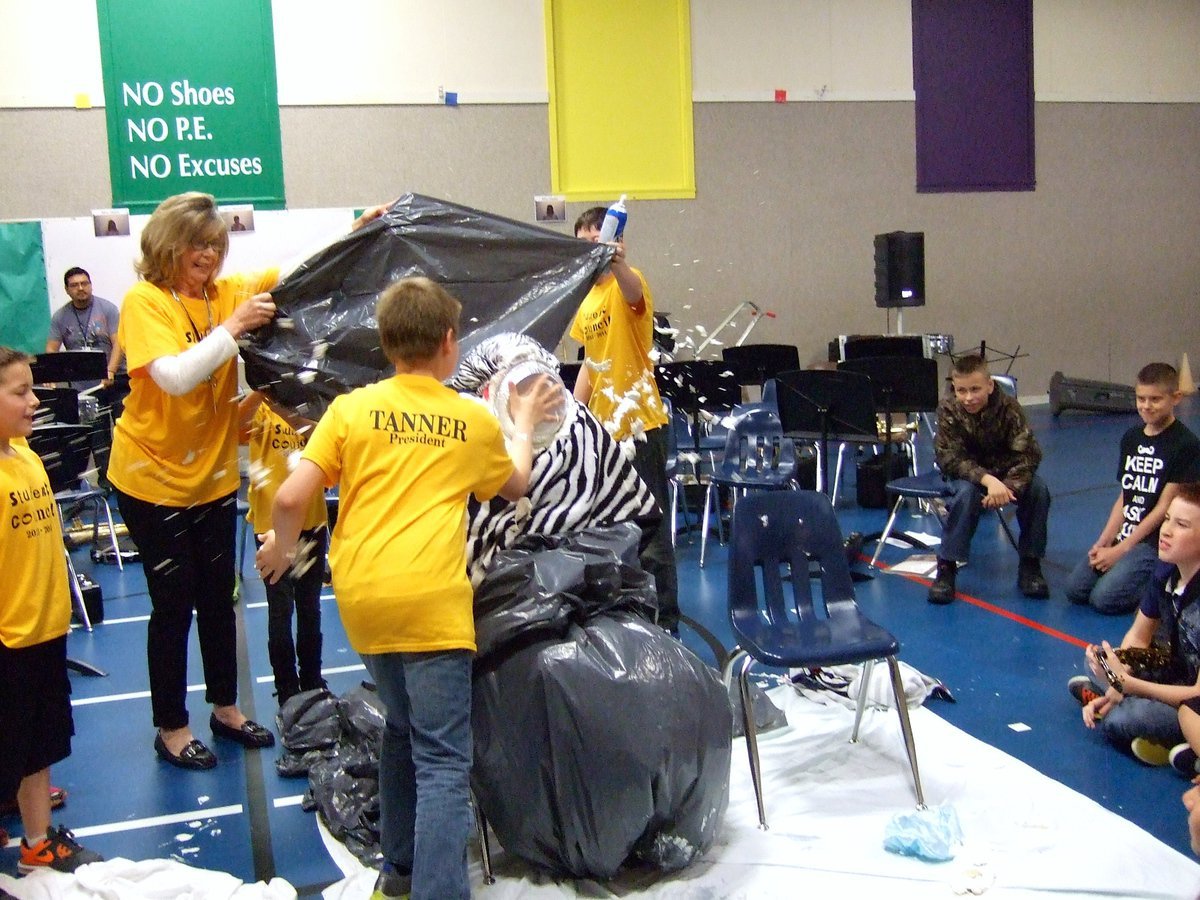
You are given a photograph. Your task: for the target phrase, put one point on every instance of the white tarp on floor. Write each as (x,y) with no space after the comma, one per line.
(829,802)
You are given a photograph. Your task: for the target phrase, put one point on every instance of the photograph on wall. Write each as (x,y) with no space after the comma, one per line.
(239,218)
(550,208)
(110,222)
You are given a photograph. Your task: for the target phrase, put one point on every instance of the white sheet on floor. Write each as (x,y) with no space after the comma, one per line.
(151,879)
(828,803)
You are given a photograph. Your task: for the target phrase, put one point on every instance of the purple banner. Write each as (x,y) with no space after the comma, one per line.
(973,76)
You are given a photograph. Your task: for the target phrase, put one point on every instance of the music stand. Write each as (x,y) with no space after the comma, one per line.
(824,404)
(698,385)
(902,384)
(56,404)
(70,365)
(862,346)
(757,363)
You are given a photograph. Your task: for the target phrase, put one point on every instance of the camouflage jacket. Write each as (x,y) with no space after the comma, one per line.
(995,441)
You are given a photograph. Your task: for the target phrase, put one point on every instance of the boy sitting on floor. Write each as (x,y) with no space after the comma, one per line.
(1136,712)
(988,453)
(1155,457)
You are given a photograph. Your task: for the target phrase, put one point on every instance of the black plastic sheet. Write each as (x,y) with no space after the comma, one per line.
(510,276)
(599,739)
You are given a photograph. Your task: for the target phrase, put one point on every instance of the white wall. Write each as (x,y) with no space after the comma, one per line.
(403,51)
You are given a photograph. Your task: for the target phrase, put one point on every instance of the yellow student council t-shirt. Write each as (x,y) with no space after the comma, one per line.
(407,452)
(617,341)
(35,603)
(178,451)
(272,443)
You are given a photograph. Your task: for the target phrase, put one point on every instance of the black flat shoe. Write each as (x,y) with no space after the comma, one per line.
(194,756)
(251,734)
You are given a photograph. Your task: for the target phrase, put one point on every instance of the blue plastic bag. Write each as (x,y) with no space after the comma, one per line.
(929,834)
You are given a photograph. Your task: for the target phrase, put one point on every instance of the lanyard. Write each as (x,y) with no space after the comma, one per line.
(211,379)
(195,330)
(83,324)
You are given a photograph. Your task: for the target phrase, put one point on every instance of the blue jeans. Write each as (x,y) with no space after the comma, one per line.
(424,768)
(1141,717)
(964,506)
(1119,589)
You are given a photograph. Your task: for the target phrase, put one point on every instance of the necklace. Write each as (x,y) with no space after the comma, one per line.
(207,310)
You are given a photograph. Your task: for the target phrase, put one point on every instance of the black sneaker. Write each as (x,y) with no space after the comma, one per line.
(1030,580)
(1183,760)
(1084,690)
(942,590)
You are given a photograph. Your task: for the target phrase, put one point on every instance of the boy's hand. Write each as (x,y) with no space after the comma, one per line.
(270,562)
(1099,708)
(998,493)
(537,400)
(371,214)
(1103,558)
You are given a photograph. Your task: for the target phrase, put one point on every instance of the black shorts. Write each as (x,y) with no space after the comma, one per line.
(35,710)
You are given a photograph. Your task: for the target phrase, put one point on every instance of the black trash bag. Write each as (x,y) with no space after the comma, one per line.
(509,275)
(362,714)
(604,744)
(513,602)
(767,716)
(298,765)
(309,721)
(348,804)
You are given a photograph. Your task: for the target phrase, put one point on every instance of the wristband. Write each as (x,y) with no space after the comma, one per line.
(522,434)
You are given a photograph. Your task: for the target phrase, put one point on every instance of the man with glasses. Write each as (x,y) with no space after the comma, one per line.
(89,322)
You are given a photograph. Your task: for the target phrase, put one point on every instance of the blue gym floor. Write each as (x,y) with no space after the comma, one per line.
(1006,659)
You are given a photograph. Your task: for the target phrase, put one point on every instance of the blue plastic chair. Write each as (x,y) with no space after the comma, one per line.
(758,457)
(775,536)
(679,473)
(926,487)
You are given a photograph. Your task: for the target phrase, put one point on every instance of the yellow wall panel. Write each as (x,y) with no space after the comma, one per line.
(620,78)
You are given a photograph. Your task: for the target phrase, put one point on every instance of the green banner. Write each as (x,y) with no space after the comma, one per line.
(191,101)
(24,298)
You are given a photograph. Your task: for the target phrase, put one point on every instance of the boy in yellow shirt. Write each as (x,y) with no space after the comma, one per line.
(273,439)
(35,693)
(615,324)
(408,452)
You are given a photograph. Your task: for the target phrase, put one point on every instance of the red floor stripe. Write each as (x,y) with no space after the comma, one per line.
(1000,611)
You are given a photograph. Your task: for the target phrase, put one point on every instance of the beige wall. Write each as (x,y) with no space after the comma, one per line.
(1094,273)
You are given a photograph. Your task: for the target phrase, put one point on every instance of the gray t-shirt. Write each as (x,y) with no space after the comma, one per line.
(86,329)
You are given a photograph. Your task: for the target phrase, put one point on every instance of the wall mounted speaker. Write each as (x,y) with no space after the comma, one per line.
(900,269)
